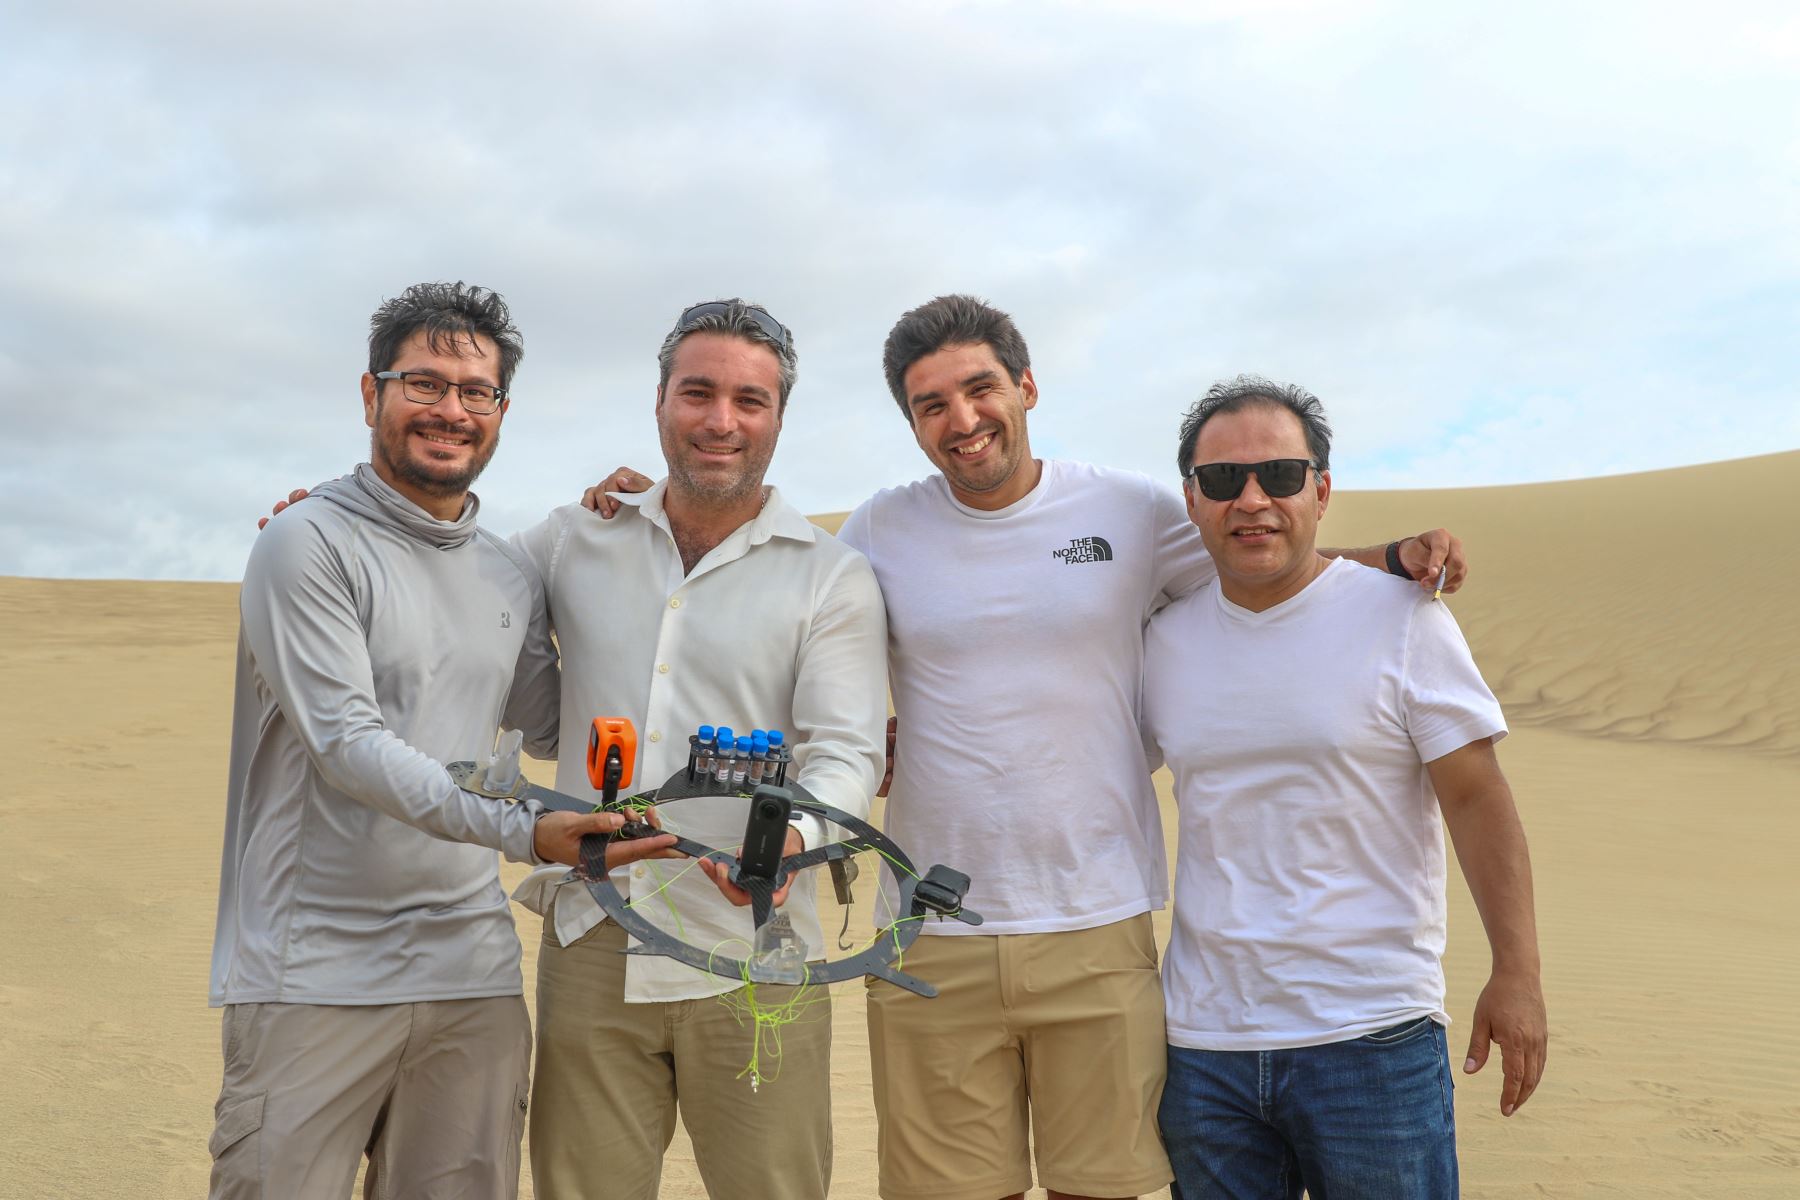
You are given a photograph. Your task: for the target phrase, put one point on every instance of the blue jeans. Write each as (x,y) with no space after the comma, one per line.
(1366,1119)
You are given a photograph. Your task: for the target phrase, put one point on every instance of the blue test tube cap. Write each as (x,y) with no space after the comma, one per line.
(776,737)
(743,745)
(706,734)
(725,736)
(759,742)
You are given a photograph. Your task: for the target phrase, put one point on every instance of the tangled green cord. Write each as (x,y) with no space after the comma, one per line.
(766,1020)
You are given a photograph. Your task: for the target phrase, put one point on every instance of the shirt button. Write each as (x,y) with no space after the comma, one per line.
(675,603)
(656,735)
(637,872)
(662,668)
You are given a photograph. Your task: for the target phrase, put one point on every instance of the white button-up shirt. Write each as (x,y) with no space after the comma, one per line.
(780,626)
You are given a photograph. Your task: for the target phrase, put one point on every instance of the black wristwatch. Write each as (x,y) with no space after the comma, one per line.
(1393,561)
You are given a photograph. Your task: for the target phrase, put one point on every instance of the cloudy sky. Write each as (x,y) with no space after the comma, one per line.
(1537,242)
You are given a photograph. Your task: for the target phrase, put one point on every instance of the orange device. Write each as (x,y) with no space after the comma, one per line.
(610,734)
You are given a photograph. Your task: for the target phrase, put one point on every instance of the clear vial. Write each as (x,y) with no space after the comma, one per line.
(722,759)
(759,757)
(740,761)
(776,768)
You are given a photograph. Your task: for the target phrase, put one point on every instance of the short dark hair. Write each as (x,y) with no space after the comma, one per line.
(1230,395)
(958,320)
(447,312)
(737,321)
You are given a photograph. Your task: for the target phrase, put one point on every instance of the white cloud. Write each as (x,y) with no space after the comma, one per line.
(1500,244)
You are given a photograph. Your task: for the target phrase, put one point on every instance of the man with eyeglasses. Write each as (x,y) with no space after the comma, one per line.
(1324,725)
(364,954)
(708,599)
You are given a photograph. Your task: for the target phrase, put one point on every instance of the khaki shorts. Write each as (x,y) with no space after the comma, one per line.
(1048,1038)
(433,1092)
(611,1075)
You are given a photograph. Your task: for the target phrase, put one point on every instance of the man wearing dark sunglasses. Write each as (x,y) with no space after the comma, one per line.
(1324,725)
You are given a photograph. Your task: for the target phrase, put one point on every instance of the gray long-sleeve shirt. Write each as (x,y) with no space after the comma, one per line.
(376,644)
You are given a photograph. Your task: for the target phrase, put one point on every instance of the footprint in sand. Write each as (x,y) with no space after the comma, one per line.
(1716,1137)
(1651,1087)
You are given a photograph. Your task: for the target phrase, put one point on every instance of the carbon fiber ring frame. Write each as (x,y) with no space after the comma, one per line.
(939,891)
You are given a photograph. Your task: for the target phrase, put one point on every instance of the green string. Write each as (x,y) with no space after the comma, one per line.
(766,1020)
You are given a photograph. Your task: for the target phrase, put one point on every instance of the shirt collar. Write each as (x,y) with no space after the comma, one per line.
(778,518)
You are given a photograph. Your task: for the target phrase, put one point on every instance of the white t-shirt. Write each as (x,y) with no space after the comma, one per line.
(1015,644)
(1309,883)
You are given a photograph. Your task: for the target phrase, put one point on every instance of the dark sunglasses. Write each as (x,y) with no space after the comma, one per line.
(717,308)
(1278,477)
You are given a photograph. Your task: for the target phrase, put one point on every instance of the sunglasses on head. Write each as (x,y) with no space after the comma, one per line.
(1279,477)
(717,308)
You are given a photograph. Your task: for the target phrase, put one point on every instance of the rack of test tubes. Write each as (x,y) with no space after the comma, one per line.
(721,758)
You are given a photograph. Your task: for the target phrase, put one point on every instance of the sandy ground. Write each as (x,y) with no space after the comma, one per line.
(1639,630)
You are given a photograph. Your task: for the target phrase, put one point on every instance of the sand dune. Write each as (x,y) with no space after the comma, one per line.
(1637,629)
(1651,607)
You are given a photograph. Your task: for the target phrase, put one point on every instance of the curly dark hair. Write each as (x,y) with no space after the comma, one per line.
(446,312)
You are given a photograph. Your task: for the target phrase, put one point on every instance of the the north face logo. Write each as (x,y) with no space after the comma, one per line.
(1085,550)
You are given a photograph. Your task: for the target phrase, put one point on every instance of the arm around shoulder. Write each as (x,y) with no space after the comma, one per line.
(1424,558)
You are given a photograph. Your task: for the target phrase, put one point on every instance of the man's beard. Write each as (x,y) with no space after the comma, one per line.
(434,479)
(717,489)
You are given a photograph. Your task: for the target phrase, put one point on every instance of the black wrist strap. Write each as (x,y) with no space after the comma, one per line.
(1393,561)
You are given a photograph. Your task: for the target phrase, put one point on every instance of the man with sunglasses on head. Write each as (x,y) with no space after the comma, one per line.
(365,955)
(708,597)
(1324,725)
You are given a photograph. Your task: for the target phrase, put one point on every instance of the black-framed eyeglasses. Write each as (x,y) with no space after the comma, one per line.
(765,321)
(1278,477)
(421,388)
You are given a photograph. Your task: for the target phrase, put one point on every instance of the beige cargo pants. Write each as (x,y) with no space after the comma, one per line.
(434,1093)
